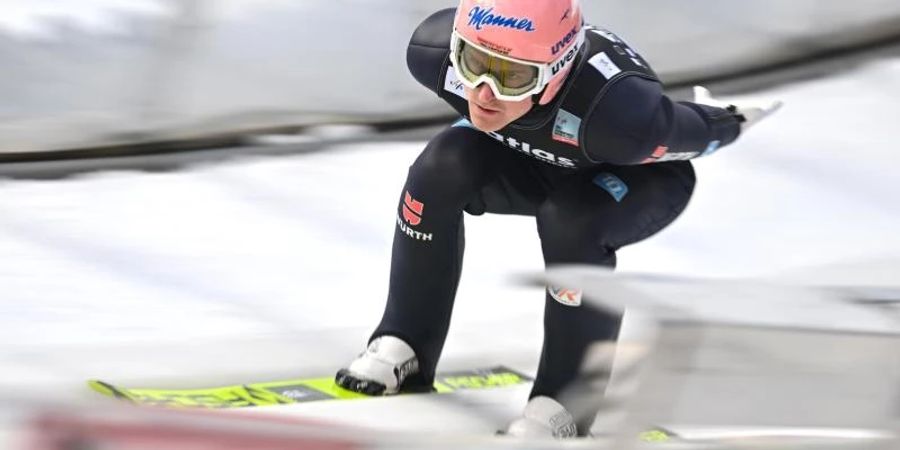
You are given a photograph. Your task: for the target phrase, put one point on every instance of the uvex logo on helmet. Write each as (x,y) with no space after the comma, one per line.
(480,17)
(559,46)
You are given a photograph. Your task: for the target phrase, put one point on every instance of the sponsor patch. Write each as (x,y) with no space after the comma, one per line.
(678,156)
(658,153)
(417,235)
(411,212)
(712,148)
(606,66)
(612,184)
(484,17)
(527,149)
(299,393)
(662,154)
(566,127)
(568,297)
(494,46)
(453,85)
(607,35)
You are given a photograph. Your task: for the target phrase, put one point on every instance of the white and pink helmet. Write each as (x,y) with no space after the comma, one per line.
(546,34)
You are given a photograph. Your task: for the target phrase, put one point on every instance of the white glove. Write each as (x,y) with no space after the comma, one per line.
(752,112)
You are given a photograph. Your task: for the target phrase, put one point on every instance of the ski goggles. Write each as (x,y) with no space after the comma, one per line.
(511,79)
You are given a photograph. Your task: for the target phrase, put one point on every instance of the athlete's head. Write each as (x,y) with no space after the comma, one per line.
(508,53)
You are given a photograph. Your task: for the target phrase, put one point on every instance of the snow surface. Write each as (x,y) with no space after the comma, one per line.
(269,267)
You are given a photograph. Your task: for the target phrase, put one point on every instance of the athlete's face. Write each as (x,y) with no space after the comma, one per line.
(490,114)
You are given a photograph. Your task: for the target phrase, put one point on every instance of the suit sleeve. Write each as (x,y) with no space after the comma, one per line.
(429,49)
(635,123)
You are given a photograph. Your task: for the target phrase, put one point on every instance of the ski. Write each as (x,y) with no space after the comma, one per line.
(300,390)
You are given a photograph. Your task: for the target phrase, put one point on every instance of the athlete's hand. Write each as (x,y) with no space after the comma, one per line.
(749,113)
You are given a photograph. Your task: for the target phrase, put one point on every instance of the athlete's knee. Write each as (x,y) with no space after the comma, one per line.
(570,233)
(561,216)
(451,163)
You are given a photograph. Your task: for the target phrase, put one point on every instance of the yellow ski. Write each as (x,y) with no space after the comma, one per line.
(294,391)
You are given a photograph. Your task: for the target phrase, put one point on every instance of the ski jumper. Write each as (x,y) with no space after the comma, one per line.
(602,166)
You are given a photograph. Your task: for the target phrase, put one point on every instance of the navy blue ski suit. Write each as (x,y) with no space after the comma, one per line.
(603,166)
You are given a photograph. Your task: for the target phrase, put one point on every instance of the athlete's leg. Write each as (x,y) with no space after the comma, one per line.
(584,222)
(429,239)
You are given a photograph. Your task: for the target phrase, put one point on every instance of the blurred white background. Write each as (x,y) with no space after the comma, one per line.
(93,72)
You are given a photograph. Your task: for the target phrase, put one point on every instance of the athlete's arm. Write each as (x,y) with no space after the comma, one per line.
(636,123)
(429,49)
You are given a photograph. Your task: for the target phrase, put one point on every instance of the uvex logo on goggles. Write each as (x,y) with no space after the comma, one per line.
(479,18)
(565,60)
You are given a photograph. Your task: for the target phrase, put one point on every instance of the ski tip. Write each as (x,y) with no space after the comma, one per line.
(100,386)
(655,435)
(108,390)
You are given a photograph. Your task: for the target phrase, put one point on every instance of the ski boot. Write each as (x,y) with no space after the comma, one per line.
(382,369)
(543,418)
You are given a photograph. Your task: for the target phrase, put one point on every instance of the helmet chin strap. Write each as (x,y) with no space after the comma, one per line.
(536,98)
